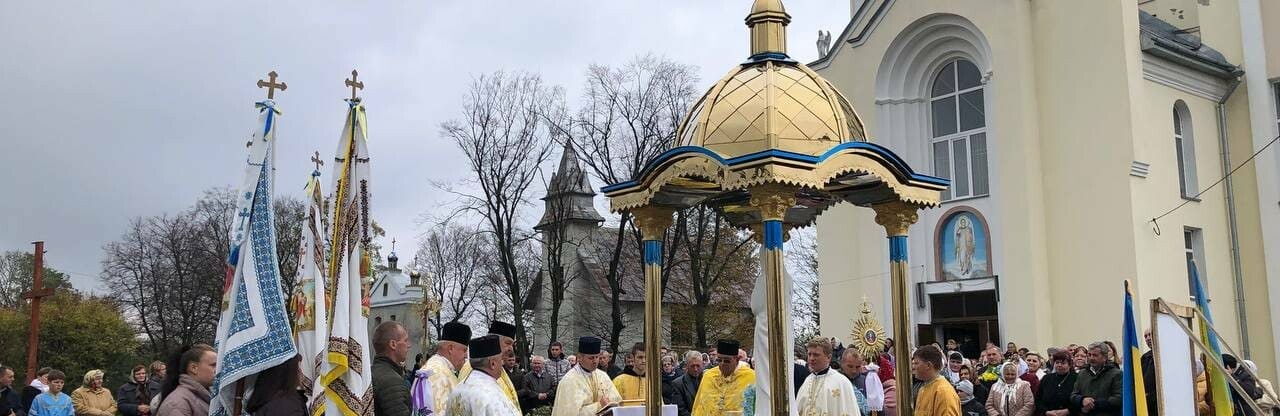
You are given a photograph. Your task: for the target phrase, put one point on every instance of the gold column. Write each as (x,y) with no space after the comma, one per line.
(653,223)
(896,217)
(774,200)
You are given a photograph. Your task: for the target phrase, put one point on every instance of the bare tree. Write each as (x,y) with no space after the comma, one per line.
(722,266)
(802,259)
(629,116)
(505,140)
(454,256)
(167,283)
(167,271)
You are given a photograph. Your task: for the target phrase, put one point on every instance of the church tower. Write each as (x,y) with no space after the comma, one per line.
(570,201)
(568,223)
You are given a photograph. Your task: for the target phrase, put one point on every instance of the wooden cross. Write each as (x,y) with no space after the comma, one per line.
(354,83)
(38,291)
(271,85)
(316,160)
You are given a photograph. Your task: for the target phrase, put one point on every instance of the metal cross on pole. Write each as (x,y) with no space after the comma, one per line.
(315,158)
(38,291)
(354,83)
(271,85)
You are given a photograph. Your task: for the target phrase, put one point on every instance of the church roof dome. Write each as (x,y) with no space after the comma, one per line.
(770,101)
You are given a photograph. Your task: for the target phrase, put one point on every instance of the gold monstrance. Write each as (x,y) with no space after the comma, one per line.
(868,335)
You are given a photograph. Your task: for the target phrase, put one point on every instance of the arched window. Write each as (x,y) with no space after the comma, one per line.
(384,290)
(377,320)
(393,317)
(1184,143)
(959,129)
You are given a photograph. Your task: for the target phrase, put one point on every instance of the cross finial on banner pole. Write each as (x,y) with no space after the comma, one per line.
(354,83)
(315,158)
(271,85)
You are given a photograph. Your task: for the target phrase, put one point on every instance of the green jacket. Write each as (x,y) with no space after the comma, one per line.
(390,393)
(1105,386)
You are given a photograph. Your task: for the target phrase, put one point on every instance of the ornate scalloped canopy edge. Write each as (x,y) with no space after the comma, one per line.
(861,173)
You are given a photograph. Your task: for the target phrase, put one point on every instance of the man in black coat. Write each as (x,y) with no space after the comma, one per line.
(538,387)
(10,400)
(685,388)
(1149,377)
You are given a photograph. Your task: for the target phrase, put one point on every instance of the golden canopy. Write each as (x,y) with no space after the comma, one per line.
(770,101)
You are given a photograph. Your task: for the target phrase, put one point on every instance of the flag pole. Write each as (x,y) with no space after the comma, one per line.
(239,406)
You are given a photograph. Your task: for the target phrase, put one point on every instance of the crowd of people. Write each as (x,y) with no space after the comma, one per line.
(1010,381)
(480,376)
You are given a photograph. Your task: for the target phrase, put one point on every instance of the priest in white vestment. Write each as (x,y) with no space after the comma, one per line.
(480,394)
(507,337)
(442,368)
(585,389)
(825,392)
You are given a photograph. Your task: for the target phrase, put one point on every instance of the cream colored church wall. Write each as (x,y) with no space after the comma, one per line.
(852,253)
(1250,233)
(1014,209)
(1161,258)
(1084,78)
(1271,35)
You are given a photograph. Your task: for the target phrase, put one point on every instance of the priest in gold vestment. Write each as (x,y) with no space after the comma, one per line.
(507,334)
(585,389)
(825,392)
(442,367)
(631,384)
(722,387)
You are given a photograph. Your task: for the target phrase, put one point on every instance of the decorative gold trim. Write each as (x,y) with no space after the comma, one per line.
(896,217)
(773,200)
(652,221)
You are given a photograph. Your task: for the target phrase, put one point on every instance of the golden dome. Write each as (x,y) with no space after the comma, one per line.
(771,101)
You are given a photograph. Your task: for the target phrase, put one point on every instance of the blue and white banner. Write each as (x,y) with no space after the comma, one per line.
(254,332)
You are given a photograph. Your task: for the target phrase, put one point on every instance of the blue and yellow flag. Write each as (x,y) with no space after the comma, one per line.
(1219,391)
(1135,390)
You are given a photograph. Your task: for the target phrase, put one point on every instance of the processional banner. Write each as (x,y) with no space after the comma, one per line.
(253,331)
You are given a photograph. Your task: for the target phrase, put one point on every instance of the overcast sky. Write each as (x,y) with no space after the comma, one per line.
(114,110)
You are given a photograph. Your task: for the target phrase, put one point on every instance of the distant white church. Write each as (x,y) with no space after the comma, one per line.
(397,296)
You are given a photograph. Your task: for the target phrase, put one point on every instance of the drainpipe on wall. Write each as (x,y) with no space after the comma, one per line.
(1237,272)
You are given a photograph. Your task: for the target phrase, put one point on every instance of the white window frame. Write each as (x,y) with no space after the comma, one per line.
(954,138)
(1185,151)
(1193,249)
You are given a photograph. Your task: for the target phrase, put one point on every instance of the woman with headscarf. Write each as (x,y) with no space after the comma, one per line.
(969,406)
(91,399)
(1011,396)
(1267,403)
(134,398)
(670,369)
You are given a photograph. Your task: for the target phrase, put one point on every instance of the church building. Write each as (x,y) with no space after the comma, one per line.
(397,296)
(1084,141)
(574,232)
